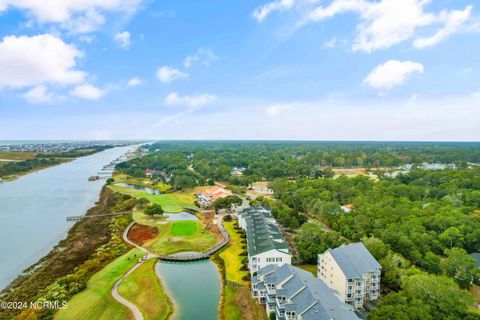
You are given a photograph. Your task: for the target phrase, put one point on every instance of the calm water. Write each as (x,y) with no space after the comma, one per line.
(195,288)
(182,216)
(33,209)
(137,187)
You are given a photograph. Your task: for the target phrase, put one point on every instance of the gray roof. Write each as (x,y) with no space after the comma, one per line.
(476,257)
(354,259)
(262,231)
(308,296)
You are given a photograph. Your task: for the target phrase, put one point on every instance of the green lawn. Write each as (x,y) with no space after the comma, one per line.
(143,288)
(177,236)
(231,256)
(96,301)
(170,202)
(309,267)
(184,228)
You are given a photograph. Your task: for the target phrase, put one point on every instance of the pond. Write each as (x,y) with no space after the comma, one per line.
(182,216)
(194,288)
(137,187)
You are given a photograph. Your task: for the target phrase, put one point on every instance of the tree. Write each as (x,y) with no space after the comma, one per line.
(431,263)
(227,202)
(376,247)
(460,266)
(312,240)
(425,296)
(272,315)
(110,181)
(153,209)
(451,237)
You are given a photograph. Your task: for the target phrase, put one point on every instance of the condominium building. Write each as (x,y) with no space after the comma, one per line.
(293,293)
(352,271)
(265,242)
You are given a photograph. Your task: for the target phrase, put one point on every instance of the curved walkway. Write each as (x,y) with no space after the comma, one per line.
(136,312)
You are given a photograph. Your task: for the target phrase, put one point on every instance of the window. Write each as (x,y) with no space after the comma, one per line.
(279,259)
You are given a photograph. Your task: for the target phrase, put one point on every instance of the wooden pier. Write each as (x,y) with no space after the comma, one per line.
(78,218)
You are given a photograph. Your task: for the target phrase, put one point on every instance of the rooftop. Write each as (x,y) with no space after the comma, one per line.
(307,296)
(262,231)
(354,259)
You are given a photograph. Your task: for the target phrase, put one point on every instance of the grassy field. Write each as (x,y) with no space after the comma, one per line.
(15,156)
(96,302)
(143,288)
(170,202)
(239,305)
(231,256)
(177,236)
(309,267)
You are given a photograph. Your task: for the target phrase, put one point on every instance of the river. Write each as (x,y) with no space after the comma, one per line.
(34,207)
(193,286)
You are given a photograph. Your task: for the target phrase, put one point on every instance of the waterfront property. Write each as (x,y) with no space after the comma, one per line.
(293,293)
(265,242)
(352,271)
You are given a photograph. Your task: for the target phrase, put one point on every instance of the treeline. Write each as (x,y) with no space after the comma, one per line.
(79,152)
(271,160)
(12,168)
(48,159)
(170,167)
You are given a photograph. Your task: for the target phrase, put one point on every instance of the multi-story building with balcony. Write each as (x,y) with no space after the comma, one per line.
(295,294)
(352,271)
(265,242)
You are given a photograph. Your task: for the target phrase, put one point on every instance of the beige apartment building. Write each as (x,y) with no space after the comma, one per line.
(352,271)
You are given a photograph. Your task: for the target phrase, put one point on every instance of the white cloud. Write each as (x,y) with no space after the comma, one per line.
(167,74)
(263,11)
(383,23)
(203,55)
(275,110)
(135,82)
(38,94)
(453,20)
(79,16)
(192,101)
(87,91)
(392,73)
(331,43)
(123,39)
(41,59)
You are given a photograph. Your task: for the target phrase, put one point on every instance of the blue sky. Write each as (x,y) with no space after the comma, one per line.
(224,69)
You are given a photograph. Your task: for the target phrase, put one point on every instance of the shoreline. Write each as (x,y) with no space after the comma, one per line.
(171,301)
(80,243)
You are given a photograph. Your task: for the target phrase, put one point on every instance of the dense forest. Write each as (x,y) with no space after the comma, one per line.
(418,225)
(293,160)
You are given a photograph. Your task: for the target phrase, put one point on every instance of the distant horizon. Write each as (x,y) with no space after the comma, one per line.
(235,140)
